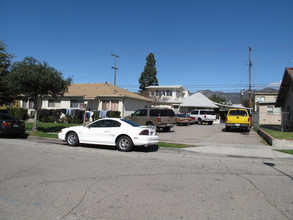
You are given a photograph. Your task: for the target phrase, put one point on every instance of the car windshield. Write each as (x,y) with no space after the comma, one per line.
(133,124)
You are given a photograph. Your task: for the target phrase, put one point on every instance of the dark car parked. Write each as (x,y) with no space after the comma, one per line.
(10,125)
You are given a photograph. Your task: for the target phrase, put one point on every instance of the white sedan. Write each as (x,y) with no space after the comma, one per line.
(111,131)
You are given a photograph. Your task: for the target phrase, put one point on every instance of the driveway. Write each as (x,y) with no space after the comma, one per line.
(213,139)
(209,134)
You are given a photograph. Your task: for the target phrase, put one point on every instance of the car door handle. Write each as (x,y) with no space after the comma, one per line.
(106,131)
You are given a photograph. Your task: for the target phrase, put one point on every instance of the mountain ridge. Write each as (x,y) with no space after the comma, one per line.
(235,97)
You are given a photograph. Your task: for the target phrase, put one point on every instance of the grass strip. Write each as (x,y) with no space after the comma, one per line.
(172,145)
(286,151)
(278,134)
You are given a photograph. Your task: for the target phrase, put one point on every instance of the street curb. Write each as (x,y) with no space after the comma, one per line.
(275,143)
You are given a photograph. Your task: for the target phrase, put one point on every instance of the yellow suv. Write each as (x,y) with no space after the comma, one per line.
(238,118)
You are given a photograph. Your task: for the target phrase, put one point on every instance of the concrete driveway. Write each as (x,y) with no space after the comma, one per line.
(208,134)
(213,139)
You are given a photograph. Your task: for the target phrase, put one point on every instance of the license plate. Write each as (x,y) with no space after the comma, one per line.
(237,125)
(169,124)
(16,125)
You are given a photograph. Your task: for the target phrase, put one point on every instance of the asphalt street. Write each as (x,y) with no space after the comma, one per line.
(46,180)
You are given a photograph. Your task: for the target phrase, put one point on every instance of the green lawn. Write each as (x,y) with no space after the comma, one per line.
(275,132)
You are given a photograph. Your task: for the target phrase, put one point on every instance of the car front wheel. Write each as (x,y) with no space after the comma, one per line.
(72,139)
(124,143)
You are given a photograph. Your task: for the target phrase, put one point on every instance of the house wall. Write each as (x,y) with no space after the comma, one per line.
(262,97)
(287,109)
(266,117)
(131,105)
(177,93)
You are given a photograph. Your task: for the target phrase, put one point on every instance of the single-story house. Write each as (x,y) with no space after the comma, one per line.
(196,101)
(285,99)
(97,97)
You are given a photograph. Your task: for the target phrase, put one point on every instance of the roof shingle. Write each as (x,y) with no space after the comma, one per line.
(93,90)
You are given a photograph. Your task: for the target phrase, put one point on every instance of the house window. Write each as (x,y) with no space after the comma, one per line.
(277,110)
(110,105)
(169,92)
(260,98)
(114,105)
(31,105)
(53,103)
(25,103)
(105,105)
(270,109)
(74,103)
(158,92)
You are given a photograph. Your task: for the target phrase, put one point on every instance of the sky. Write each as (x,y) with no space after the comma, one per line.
(200,44)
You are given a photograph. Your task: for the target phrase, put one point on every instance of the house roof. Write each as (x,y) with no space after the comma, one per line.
(285,85)
(198,100)
(93,90)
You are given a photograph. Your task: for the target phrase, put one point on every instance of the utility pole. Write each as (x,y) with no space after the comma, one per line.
(250,104)
(115,68)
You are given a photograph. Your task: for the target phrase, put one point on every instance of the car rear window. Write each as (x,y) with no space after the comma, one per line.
(133,124)
(238,112)
(209,112)
(182,115)
(167,112)
(6,117)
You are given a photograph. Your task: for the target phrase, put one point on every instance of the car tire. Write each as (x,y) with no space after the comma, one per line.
(166,129)
(227,128)
(210,123)
(149,123)
(200,121)
(124,144)
(72,139)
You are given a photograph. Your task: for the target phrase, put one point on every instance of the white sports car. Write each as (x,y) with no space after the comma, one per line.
(111,131)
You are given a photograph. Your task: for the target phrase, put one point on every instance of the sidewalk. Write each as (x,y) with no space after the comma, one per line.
(255,151)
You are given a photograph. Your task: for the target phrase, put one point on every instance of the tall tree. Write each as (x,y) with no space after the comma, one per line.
(32,79)
(149,75)
(5,63)
(217,99)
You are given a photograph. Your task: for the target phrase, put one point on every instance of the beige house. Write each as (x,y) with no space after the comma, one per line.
(264,106)
(285,99)
(97,97)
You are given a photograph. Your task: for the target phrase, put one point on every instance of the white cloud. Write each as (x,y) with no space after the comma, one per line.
(275,85)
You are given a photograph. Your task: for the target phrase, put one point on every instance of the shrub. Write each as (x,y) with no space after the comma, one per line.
(19,113)
(114,114)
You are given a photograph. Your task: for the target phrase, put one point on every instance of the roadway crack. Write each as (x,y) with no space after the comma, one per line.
(79,203)
(264,194)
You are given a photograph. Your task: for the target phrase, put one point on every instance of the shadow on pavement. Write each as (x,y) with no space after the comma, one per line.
(113,148)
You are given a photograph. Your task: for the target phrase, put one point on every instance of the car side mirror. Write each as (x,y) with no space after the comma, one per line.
(132,114)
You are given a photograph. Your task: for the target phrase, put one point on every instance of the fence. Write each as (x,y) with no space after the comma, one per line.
(275,121)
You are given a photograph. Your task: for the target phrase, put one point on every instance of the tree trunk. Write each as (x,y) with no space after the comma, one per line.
(34,128)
